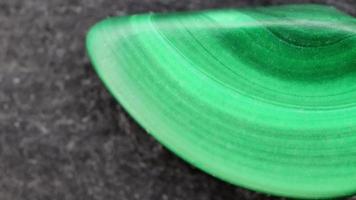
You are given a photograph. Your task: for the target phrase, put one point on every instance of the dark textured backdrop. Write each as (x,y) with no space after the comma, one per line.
(62,136)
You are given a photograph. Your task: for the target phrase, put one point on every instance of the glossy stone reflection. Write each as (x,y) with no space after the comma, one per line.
(263,98)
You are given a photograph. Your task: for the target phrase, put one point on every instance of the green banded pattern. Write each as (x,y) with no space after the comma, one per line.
(264,98)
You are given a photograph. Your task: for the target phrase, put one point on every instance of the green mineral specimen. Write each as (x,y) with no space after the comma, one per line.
(263,98)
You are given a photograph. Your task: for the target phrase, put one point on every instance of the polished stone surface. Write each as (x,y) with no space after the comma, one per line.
(263,97)
(62,134)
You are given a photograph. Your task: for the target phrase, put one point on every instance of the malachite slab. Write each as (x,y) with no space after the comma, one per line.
(263,98)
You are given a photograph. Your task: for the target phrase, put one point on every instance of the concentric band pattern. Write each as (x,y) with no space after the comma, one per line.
(264,98)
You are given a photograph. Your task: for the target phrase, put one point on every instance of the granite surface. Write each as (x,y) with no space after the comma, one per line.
(62,136)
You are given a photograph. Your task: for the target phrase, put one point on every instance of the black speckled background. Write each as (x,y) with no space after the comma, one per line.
(62,136)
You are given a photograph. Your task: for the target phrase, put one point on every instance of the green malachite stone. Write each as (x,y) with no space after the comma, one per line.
(264,98)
